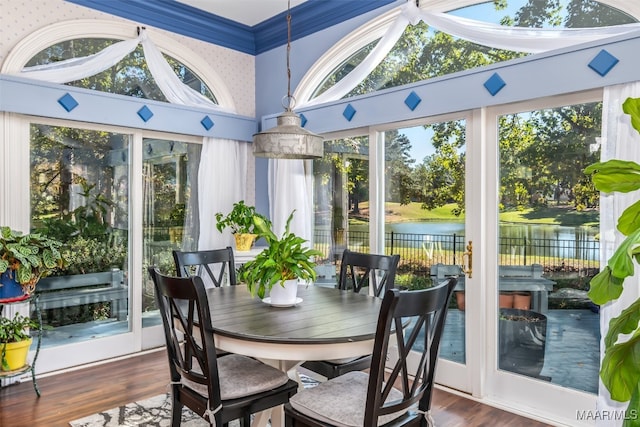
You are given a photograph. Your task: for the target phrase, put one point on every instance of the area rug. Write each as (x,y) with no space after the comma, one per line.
(153,412)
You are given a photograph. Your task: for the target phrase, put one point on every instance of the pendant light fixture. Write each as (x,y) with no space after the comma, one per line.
(288,140)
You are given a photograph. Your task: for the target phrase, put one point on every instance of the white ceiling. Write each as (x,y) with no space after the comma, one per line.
(248,12)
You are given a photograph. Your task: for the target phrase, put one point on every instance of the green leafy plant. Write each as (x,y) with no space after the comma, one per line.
(14,330)
(177,215)
(620,371)
(284,258)
(30,256)
(240,220)
(90,244)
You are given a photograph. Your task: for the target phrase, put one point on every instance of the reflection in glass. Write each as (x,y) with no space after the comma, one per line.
(170,219)
(341,199)
(80,196)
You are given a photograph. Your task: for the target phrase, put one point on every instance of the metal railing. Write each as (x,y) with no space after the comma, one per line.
(421,251)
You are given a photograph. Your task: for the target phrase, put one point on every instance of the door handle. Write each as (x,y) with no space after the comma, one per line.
(468,254)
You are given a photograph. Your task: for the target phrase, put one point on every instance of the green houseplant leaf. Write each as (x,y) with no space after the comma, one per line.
(284,258)
(605,287)
(632,107)
(31,256)
(620,370)
(240,220)
(629,221)
(615,175)
(13,330)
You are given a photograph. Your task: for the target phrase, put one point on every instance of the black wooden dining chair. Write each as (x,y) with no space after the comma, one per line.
(212,265)
(358,271)
(218,389)
(397,395)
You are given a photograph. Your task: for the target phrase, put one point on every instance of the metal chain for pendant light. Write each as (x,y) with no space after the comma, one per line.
(291,101)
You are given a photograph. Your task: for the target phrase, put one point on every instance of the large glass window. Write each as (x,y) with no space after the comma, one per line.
(80,196)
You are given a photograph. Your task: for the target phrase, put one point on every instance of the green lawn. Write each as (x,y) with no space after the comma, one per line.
(558,215)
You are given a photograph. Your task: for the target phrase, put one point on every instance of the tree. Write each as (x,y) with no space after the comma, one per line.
(400,186)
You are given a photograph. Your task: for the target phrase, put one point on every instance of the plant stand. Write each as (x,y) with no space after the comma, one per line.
(28,367)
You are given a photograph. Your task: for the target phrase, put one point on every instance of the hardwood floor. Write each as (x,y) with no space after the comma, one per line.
(74,394)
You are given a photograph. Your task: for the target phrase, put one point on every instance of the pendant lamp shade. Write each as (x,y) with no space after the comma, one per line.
(288,140)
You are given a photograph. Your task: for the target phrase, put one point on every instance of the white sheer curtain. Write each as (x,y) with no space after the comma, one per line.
(173,89)
(619,141)
(290,188)
(519,39)
(78,68)
(222,181)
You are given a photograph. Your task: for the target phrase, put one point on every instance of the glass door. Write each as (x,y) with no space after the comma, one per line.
(170,218)
(544,329)
(341,203)
(79,193)
(425,222)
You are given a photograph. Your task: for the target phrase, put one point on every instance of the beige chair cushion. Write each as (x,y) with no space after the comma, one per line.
(242,376)
(340,401)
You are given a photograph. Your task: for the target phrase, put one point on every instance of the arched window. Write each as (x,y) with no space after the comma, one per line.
(424,52)
(129,77)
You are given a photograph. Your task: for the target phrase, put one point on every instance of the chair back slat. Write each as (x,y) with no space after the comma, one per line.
(408,320)
(359,270)
(216,263)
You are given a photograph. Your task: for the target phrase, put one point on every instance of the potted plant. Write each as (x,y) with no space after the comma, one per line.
(240,221)
(619,370)
(283,262)
(24,259)
(15,341)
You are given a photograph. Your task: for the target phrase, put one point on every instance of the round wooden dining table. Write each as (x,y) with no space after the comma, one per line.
(325,324)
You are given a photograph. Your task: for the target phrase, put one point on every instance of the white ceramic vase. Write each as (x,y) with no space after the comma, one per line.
(286,295)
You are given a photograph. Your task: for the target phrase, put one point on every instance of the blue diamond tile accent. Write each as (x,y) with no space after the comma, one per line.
(303,120)
(68,102)
(412,100)
(494,84)
(349,112)
(207,123)
(145,113)
(603,62)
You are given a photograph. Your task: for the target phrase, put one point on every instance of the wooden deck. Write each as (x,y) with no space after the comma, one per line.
(75,394)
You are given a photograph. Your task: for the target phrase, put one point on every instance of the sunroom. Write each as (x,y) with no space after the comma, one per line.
(450,137)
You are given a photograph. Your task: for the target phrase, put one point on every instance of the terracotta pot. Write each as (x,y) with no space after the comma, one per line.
(506,300)
(460,300)
(522,300)
(244,241)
